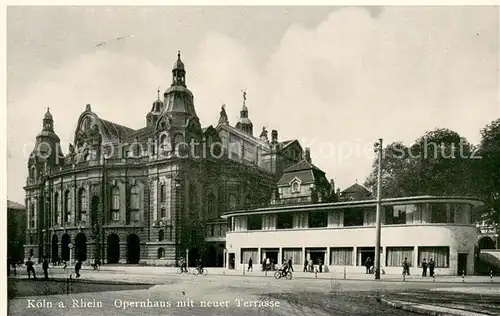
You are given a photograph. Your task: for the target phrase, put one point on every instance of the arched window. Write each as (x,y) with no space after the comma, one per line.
(134,203)
(232,202)
(161,253)
(211,206)
(32,173)
(83,205)
(56,208)
(179,146)
(164,146)
(161,235)
(296,187)
(163,193)
(67,206)
(115,204)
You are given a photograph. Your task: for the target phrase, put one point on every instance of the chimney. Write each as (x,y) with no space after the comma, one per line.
(307,154)
(274,136)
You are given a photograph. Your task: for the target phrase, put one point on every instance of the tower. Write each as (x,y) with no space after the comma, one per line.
(155,112)
(244,124)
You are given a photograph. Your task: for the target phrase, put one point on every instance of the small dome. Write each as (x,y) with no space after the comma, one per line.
(178,63)
(48,116)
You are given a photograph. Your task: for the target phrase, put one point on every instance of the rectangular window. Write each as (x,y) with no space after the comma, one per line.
(318,219)
(135,215)
(370,216)
(341,256)
(254,222)
(300,220)
(438,213)
(396,256)
(353,217)
(294,253)
(440,255)
(163,193)
(115,215)
(284,220)
(247,253)
(413,213)
(395,215)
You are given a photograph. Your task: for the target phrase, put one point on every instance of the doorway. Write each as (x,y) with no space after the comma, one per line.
(231,260)
(133,249)
(462,264)
(113,248)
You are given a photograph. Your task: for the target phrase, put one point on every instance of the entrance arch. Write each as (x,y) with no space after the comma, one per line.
(65,240)
(486,243)
(113,249)
(133,249)
(81,247)
(55,248)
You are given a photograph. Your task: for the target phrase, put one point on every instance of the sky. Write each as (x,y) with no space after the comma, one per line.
(335,78)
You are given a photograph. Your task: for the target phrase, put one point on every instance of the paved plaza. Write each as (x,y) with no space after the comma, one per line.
(231,293)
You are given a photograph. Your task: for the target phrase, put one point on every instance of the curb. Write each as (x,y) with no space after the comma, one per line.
(423,311)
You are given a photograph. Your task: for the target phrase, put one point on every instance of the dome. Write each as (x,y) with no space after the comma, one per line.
(48,116)
(178,63)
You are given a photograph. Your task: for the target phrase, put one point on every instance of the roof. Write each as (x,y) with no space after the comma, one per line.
(356,188)
(302,165)
(476,202)
(15,205)
(114,130)
(305,176)
(141,134)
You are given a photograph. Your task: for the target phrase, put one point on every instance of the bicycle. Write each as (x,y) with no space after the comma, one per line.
(96,266)
(182,270)
(280,274)
(197,271)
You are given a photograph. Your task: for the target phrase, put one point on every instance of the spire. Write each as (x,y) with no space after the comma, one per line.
(48,121)
(178,72)
(244,123)
(158,92)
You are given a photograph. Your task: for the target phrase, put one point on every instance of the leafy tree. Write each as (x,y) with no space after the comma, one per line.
(438,163)
(487,172)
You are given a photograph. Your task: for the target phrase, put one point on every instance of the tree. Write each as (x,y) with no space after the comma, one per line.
(438,163)
(487,172)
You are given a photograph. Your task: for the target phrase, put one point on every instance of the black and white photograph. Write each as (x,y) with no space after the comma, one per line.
(251,160)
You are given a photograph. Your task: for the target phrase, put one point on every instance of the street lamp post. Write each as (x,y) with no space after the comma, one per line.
(378,147)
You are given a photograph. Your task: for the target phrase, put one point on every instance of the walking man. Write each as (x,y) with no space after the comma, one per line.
(30,268)
(368,265)
(290,266)
(305,265)
(424,268)
(45,267)
(78,266)
(432,264)
(250,265)
(406,267)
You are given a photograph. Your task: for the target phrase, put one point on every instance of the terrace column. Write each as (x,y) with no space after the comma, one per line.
(280,257)
(303,255)
(327,257)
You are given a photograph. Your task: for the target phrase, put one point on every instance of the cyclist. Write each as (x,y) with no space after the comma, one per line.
(97,264)
(284,268)
(183,265)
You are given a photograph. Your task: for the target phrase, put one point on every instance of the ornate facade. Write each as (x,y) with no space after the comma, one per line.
(148,195)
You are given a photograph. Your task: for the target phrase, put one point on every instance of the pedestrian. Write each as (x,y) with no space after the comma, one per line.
(320,265)
(30,268)
(268,264)
(406,267)
(432,264)
(250,265)
(305,265)
(368,265)
(45,267)
(424,268)
(311,264)
(78,266)
(290,266)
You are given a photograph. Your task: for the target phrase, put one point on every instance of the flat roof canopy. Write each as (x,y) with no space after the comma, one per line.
(476,202)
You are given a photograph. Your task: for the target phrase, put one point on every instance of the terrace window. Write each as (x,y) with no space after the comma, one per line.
(395,215)
(284,220)
(353,217)
(254,222)
(318,219)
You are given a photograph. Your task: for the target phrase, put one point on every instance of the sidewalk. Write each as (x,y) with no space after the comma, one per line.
(297,274)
